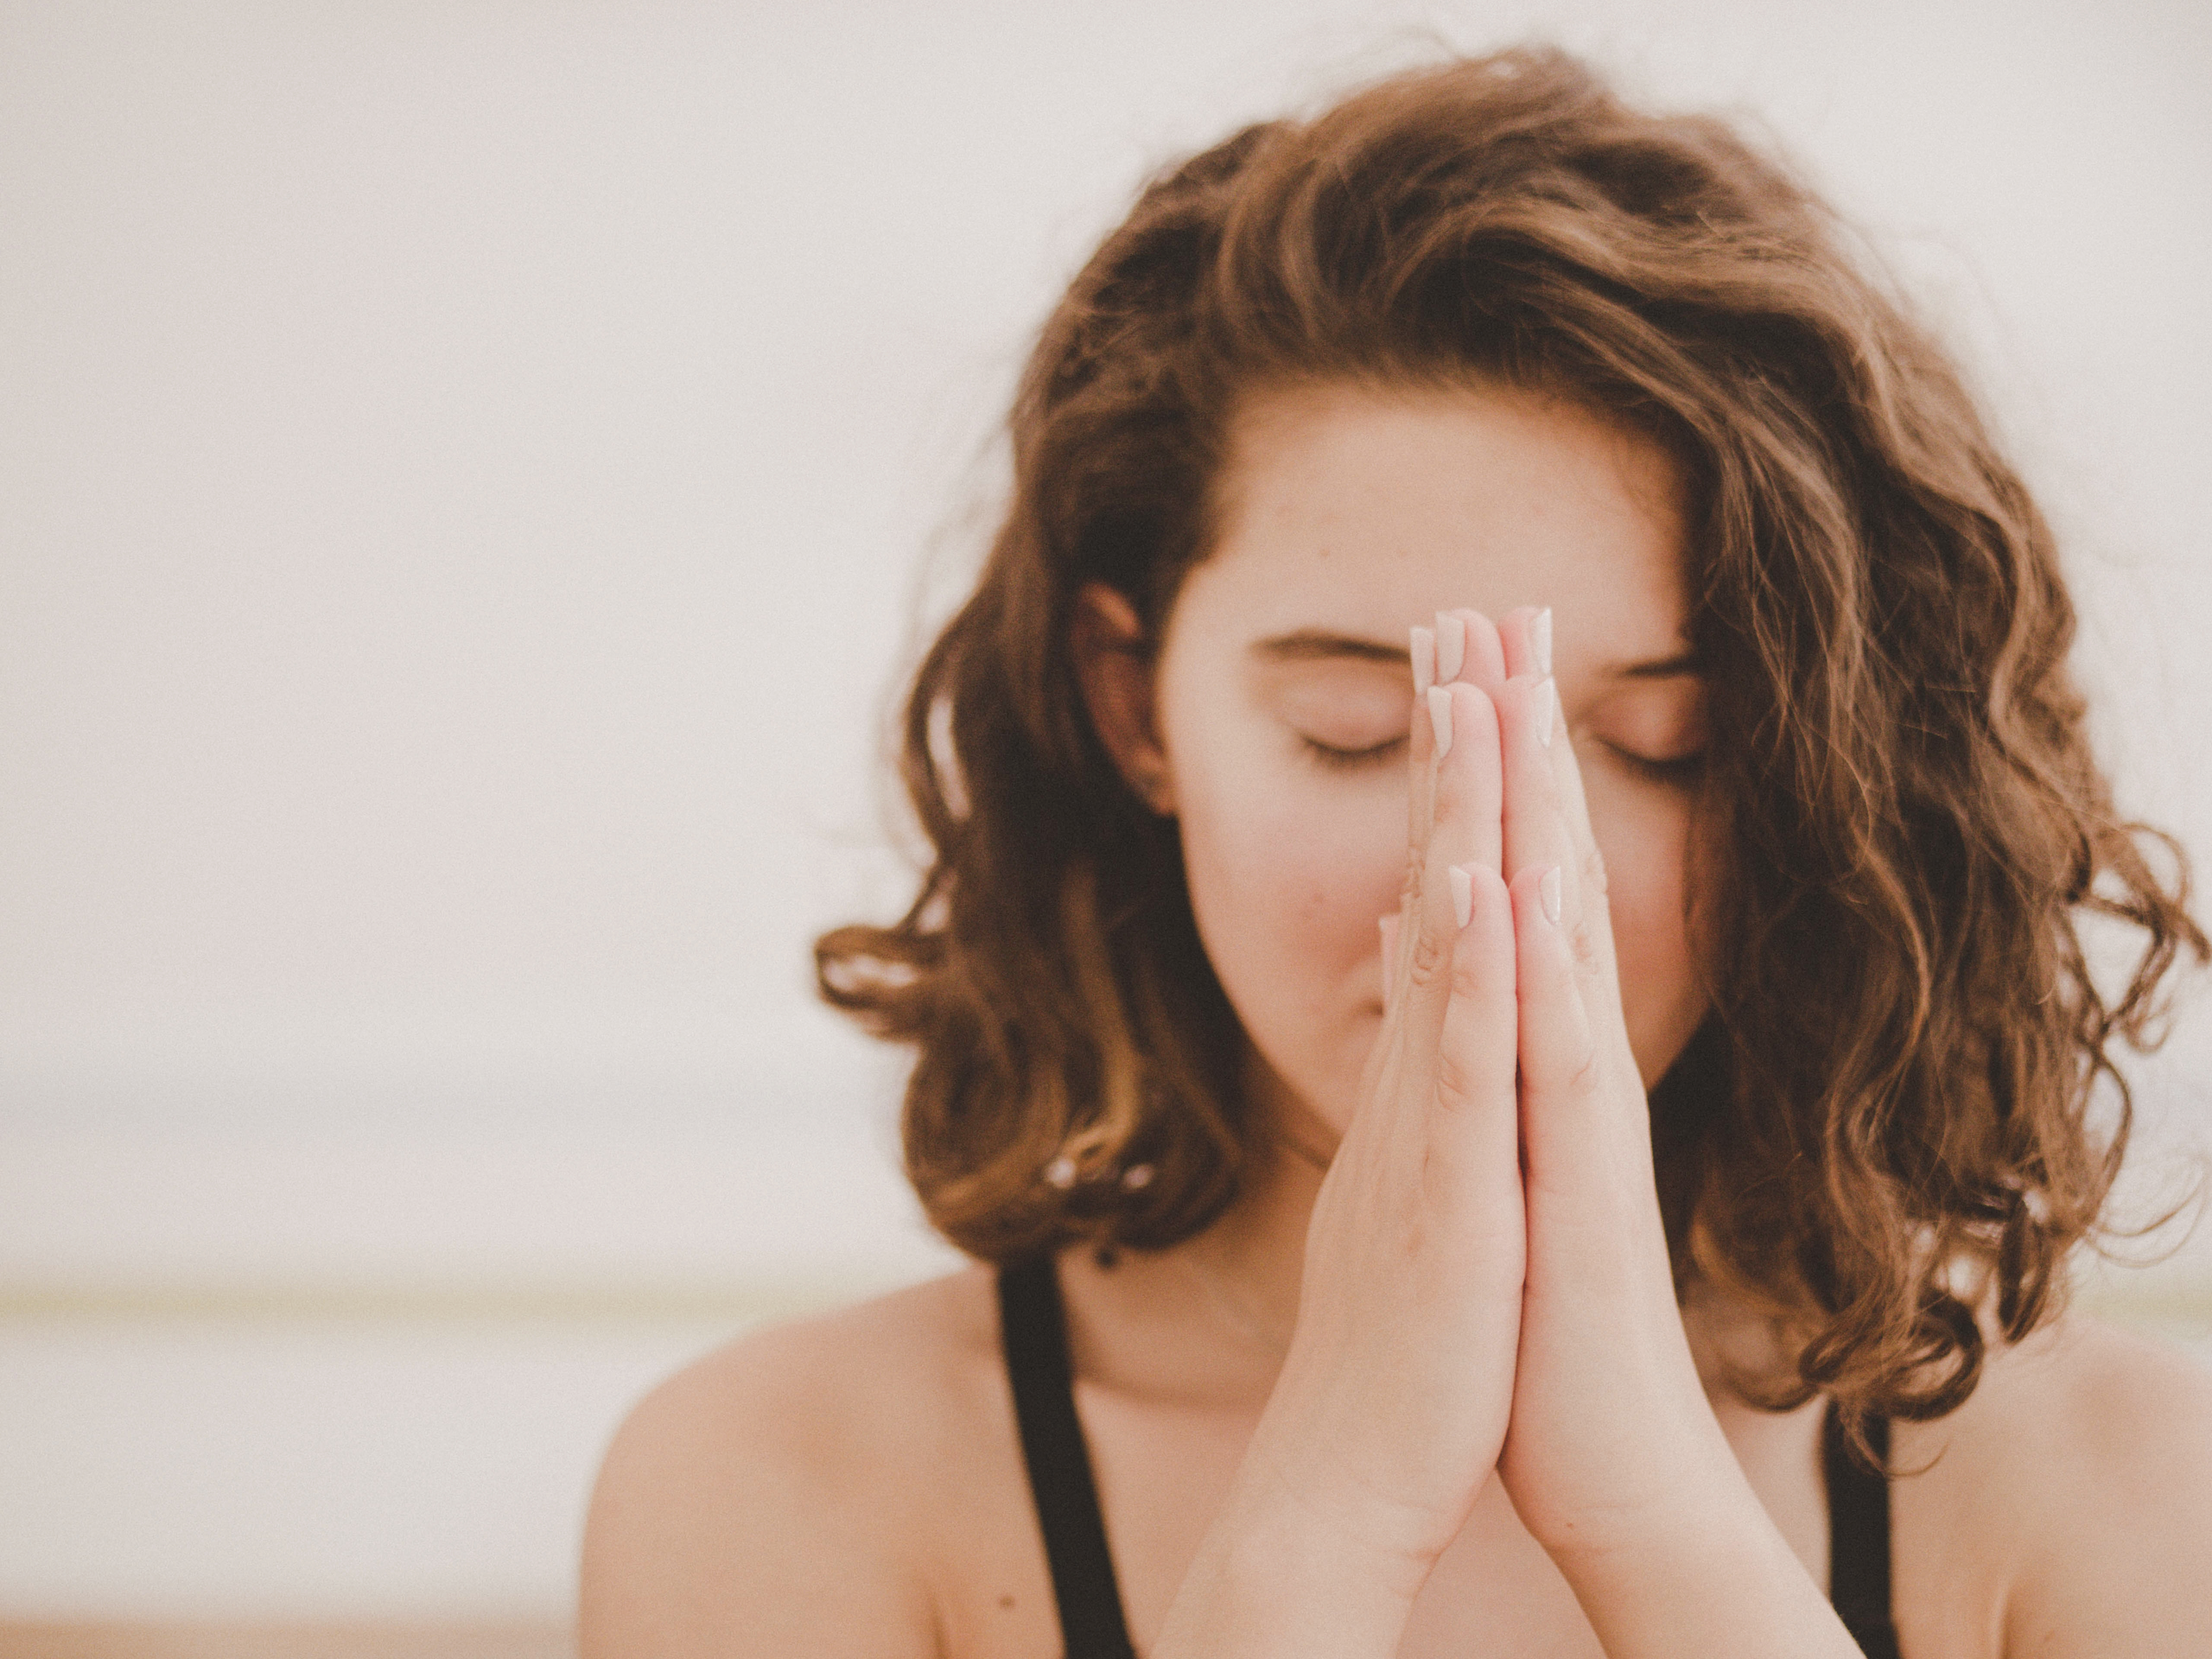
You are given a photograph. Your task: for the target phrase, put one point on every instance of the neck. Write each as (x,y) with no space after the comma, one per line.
(1214,1313)
(1249,1263)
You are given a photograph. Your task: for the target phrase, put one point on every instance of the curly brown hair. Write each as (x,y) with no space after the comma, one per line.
(1886,1123)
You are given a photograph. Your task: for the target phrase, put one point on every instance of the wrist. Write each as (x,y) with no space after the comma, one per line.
(1712,1575)
(1694,1518)
(1633,1482)
(1298,1488)
(1284,1572)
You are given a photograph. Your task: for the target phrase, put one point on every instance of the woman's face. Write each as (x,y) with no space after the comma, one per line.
(1283,691)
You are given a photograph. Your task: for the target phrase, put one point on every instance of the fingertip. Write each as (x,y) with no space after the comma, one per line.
(1530,707)
(1555,1013)
(1487,895)
(1463,893)
(1440,718)
(1424,654)
(1484,952)
(1451,645)
(1486,650)
(1546,959)
(1526,633)
(1536,893)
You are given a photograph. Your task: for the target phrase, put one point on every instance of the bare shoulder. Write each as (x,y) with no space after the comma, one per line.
(773,1497)
(2084,1457)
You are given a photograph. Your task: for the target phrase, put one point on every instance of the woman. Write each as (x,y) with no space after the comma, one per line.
(1705,1131)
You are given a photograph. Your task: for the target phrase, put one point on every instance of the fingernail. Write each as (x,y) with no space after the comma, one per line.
(1424,661)
(1539,639)
(1462,892)
(1546,710)
(1547,894)
(1451,647)
(1440,718)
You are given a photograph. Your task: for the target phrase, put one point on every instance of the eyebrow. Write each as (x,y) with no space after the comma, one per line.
(1318,645)
(1659,668)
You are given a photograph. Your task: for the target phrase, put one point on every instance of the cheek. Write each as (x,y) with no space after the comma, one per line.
(1303,865)
(1288,872)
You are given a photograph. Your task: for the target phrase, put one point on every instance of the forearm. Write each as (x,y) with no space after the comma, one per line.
(1714,1578)
(1277,1577)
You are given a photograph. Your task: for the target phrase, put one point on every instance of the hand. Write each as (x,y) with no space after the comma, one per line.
(1486,1273)
(1611,1432)
(1394,1397)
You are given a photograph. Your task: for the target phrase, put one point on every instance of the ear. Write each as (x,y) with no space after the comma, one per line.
(1114,662)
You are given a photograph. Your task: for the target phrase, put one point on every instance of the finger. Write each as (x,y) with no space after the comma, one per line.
(1469,792)
(1472,1164)
(1402,933)
(1421,811)
(1384,1076)
(1526,637)
(1469,783)
(1592,905)
(1563,1078)
(1535,825)
(1420,753)
(1467,641)
(1547,822)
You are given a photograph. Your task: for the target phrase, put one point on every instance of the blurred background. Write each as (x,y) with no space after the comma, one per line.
(472,476)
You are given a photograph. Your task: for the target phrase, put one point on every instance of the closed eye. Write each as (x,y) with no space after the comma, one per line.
(1336,759)
(1679,771)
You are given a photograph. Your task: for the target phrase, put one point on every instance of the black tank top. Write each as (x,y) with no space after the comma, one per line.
(1034,1329)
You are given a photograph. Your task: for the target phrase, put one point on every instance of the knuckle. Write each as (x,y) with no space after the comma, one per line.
(1593,873)
(1455,1084)
(1584,1080)
(1470,981)
(1433,957)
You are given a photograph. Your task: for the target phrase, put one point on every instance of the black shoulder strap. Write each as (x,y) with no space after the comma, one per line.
(1858,1534)
(1033,1327)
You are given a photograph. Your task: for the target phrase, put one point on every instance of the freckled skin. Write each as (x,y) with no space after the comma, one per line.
(791,1493)
(1364,513)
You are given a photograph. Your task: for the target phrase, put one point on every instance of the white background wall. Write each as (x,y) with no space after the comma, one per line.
(470,479)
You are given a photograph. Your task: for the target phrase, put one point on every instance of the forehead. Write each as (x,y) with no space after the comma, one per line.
(1364,509)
